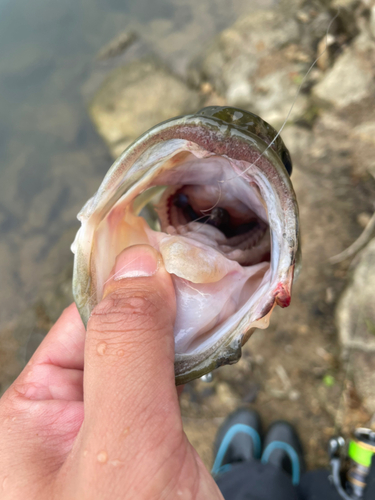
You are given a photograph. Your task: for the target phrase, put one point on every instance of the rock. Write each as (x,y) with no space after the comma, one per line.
(118,45)
(363,219)
(372,21)
(324,54)
(137,96)
(234,55)
(128,47)
(344,4)
(362,365)
(351,79)
(363,136)
(356,325)
(365,132)
(260,62)
(356,309)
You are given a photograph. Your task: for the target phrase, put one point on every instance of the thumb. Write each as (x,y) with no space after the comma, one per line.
(129,386)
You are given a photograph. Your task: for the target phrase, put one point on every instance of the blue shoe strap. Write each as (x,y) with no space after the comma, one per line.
(232,431)
(222,469)
(291,452)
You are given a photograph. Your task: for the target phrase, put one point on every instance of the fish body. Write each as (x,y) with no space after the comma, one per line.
(222,213)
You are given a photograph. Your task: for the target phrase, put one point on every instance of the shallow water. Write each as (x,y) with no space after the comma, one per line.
(51,159)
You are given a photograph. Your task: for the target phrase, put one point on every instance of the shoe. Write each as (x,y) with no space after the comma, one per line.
(282,448)
(238,440)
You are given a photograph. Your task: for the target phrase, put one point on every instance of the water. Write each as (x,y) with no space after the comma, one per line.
(51,158)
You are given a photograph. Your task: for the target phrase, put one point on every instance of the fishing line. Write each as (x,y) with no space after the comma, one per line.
(117,273)
(294,100)
(209,209)
(220,193)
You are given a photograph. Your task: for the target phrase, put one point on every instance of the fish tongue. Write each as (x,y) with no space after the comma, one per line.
(195,261)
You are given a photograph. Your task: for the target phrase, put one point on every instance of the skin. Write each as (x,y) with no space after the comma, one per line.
(124,439)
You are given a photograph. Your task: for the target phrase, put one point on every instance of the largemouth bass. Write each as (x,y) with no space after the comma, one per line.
(220,207)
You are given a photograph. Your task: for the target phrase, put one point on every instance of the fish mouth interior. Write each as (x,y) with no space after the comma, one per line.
(202,213)
(205,204)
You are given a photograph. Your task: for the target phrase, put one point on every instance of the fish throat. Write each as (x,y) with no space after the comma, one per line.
(197,212)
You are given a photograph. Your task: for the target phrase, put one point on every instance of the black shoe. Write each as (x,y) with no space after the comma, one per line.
(283,448)
(238,440)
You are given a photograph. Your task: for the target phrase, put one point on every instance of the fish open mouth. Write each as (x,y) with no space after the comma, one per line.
(217,218)
(214,198)
(211,226)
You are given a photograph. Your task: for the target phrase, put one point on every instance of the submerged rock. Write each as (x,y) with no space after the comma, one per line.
(118,45)
(135,97)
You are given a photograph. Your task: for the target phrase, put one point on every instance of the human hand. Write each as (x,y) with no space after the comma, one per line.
(124,438)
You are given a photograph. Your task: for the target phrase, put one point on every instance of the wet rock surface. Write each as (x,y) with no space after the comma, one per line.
(137,96)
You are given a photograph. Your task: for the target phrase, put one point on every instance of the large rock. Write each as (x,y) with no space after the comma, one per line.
(351,79)
(356,324)
(256,64)
(356,309)
(363,136)
(260,62)
(137,96)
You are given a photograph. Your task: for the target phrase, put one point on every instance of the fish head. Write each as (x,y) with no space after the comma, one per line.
(211,192)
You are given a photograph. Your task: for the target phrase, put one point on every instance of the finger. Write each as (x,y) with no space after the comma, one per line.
(130,344)
(45,382)
(42,411)
(130,395)
(64,344)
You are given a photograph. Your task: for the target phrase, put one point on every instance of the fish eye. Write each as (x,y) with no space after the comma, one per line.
(285,157)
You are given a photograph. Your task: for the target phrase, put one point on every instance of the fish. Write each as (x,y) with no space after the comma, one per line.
(212,193)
